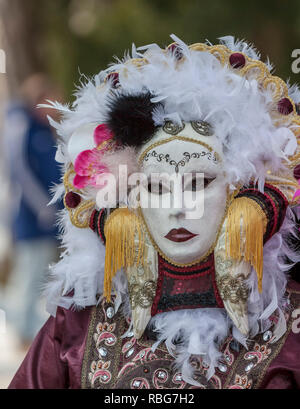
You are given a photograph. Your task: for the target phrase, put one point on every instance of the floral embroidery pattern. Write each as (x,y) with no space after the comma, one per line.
(105,334)
(100,368)
(260,353)
(116,360)
(241,382)
(99,371)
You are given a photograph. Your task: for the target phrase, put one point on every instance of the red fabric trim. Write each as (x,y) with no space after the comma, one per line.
(98,225)
(216,291)
(279,192)
(187,276)
(270,201)
(279,213)
(91,224)
(163,264)
(275,215)
(158,287)
(189,268)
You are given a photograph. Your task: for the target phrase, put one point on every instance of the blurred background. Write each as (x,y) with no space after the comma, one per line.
(47,44)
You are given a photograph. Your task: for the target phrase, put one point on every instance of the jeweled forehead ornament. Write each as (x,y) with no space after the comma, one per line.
(201,134)
(201,127)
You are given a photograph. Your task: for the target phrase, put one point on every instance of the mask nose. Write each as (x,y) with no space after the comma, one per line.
(177,210)
(177,214)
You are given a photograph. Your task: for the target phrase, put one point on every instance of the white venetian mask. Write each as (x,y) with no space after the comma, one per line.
(187,233)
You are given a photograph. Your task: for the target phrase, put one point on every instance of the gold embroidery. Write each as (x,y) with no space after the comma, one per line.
(80,216)
(130,357)
(86,357)
(142,295)
(232,289)
(68,179)
(172,128)
(202,128)
(138,62)
(137,276)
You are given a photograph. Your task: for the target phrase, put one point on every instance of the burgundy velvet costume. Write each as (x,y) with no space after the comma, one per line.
(65,354)
(85,349)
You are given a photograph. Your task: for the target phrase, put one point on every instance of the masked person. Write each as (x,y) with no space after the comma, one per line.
(178,193)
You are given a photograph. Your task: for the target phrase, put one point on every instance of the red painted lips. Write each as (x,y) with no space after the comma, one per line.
(180,235)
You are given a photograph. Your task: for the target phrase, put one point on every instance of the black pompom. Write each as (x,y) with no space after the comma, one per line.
(130,118)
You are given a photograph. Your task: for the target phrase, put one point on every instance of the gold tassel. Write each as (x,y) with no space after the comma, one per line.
(121,229)
(246,224)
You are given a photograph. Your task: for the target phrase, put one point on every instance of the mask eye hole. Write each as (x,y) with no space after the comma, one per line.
(197,184)
(157,188)
(207,181)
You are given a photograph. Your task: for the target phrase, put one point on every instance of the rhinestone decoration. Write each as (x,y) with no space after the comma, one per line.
(129,353)
(102,352)
(142,295)
(205,365)
(249,367)
(110,312)
(178,378)
(129,335)
(136,384)
(104,377)
(202,127)
(161,375)
(172,128)
(127,345)
(222,368)
(267,335)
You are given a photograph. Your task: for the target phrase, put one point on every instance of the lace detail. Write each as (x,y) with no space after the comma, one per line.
(232,289)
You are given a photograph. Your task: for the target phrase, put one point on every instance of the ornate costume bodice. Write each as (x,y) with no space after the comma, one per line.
(112,361)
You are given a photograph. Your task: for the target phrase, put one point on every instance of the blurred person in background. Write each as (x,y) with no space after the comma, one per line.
(29,150)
